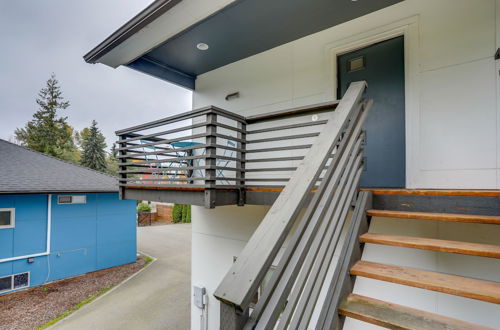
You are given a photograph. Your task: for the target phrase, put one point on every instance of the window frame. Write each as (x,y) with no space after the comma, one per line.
(12,218)
(12,282)
(72,202)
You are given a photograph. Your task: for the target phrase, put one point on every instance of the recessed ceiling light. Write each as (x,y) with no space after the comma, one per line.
(202,46)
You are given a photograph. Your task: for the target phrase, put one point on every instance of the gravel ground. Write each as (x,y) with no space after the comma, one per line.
(35,307)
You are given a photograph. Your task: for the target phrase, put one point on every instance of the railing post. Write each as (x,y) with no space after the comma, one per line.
(231,318)
(211,160)
(241,156)
(122,176)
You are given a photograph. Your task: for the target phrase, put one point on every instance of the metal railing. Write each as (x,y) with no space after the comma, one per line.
(210,149)
(197,149)
(288,300)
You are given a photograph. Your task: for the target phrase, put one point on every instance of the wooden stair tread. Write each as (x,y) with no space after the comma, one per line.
(394,316)
(435,192)
(475,249)
(451,217)
(451,284)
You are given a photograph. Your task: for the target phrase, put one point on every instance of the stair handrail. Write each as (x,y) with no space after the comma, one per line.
(240,284)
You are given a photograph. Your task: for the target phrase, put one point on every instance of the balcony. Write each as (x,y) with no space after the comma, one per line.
(212,157)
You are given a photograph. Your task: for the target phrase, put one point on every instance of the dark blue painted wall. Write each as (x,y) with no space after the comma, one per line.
(84,237)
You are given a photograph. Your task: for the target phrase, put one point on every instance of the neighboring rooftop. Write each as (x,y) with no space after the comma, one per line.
(26,171)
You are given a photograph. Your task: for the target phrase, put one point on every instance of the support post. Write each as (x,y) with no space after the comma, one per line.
(211,161)
(231,318)
(241,156)
(122,176)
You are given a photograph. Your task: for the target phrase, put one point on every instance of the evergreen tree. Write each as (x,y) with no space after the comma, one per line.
(47,132)
(112,161)
(114,151)
(93,145)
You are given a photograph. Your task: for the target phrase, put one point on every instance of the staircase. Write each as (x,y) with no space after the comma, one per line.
(396,316)
(316,243)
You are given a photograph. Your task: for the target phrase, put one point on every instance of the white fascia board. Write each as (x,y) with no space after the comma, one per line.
(177,19)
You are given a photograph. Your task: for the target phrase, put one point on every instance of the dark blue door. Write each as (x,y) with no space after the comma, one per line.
(382,66)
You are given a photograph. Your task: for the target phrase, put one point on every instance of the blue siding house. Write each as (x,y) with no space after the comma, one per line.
(58,220)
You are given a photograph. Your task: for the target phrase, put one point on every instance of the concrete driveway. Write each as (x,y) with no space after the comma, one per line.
(157,298)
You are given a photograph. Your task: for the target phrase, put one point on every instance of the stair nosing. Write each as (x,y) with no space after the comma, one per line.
(449,217)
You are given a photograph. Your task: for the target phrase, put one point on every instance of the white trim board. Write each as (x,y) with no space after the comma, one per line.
(48,242)
(409,28)
(12,218)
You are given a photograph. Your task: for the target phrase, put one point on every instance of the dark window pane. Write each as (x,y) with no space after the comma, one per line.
(5,283)
(21,280)
(5,218)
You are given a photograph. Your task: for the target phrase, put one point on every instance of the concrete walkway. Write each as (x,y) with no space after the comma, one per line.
(157,298)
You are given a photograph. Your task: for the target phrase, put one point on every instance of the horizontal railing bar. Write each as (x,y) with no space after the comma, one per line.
(134,135)
(182,186)
(265,180)
(182,116)
(221,146)
(141,145)
(278,159)
(200,178)
(303,146)
(271,169)
(184,168)
(165,121)
(229,137)
(287,137)
(178,160)
(166,179)
(166,141)
(285,127)
(183,160)
(295,111)
(228,127)
(155,135)
(128,155)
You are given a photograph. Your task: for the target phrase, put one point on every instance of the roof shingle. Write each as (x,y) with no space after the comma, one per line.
(26,171)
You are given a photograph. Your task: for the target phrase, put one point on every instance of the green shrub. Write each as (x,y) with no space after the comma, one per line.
(177,213)
(143,207)
(186,213)
(181,213)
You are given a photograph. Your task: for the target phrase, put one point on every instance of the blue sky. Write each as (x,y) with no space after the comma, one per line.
(41,37)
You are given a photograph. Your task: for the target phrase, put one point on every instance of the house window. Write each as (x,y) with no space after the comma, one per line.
(5,283)
(72,199)
(14,282)
(7,218)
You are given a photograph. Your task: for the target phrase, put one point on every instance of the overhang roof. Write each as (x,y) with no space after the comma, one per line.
(241,29)
(26,171)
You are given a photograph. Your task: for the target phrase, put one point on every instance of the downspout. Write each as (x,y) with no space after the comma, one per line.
(49,225)
(49,221)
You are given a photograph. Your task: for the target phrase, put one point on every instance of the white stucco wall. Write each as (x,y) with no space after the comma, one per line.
(452,112)
(453,137)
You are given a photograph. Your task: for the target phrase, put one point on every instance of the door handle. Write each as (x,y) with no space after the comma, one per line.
(497,54)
